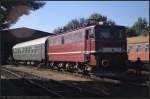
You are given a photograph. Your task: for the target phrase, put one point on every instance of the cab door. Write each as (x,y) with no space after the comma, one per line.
(89,44)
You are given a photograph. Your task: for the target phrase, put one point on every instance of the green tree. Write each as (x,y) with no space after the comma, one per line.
(140,26)
(131,32)
(94,18)
(58,30)
(73,24)
(12,10)
(82,21)
(110,22)
(97,17)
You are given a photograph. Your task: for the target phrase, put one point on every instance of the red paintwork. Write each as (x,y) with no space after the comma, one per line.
(58,51)
(64,52)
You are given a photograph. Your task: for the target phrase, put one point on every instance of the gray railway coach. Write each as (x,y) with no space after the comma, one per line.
(31,51)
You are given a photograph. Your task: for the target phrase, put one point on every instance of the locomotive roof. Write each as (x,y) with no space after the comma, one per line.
(81,28)
(31,42)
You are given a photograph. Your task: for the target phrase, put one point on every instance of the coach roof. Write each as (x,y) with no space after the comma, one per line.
(138,39)
(32,42)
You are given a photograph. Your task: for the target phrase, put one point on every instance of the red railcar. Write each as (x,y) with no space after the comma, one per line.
(88,47)
(138,47)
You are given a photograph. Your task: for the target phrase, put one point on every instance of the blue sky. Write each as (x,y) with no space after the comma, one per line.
(58,13)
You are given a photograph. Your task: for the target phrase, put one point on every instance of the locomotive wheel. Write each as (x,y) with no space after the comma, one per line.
(60,66)
(87,69)
(79,70)
(76,68)
(67,67)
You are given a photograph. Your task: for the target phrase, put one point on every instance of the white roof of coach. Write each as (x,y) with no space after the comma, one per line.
(31,42)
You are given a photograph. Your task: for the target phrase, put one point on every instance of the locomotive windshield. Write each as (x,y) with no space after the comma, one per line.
(110,33)
(104,33)
(119,34)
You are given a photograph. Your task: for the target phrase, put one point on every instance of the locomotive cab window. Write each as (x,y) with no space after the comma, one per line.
(120,34)
(104,33)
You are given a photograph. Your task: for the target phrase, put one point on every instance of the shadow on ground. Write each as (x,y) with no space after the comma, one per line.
(15,87)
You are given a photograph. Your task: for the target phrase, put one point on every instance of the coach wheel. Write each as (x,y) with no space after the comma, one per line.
(105,63)
(32,63)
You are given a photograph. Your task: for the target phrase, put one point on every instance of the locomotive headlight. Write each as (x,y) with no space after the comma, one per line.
(105,63)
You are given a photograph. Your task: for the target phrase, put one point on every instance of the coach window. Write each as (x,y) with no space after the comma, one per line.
(30,50)
(22,50)
(147,48)
(138,48)
(130,48)
(14,51)
(35,51)
(27,50)
(19,51)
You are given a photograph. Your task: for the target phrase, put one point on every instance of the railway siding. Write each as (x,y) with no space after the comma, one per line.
(60,89)
(102,86)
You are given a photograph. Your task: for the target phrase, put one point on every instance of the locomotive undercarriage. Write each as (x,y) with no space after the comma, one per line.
(74,67)
(110,61)
(103,64)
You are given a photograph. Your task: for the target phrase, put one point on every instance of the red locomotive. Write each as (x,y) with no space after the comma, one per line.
(83,49)
(138,47)
(87,48)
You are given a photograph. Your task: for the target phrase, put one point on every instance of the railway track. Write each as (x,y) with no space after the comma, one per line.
(54,88)
(106,79)
(29,83)
(108,86)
